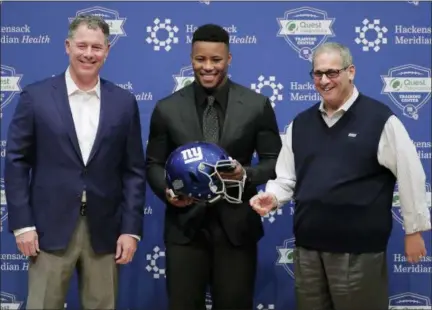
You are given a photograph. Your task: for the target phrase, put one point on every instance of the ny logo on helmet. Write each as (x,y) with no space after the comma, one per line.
(191,155)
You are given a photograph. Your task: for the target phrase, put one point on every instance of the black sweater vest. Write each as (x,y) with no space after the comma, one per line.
(343,196)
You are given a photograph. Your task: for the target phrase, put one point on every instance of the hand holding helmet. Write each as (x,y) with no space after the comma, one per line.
(235,172)
(178,200)
(202,171)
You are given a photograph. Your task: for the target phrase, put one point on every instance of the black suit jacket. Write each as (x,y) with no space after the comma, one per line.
(250,124)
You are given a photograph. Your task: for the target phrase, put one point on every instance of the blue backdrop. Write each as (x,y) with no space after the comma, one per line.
(271,45)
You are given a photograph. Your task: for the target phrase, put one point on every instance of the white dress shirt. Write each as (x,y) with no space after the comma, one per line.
(85,108)
(396,152)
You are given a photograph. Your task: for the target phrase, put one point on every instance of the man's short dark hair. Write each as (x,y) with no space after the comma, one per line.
(211,33)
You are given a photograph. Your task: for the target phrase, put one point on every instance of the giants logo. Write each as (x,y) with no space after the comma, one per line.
(192,155)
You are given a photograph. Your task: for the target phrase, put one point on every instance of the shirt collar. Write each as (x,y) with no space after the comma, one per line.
(72,88)
(346,105)
(221,95)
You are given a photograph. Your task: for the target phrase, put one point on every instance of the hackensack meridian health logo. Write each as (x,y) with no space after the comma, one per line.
(271,83)
(409,301)
(409,88)
(184,78)
(10,86)
(156,263)
(111,17)
(9,301)
(286,256)
(371,35)
(162,34)
(3,211)
(304,29)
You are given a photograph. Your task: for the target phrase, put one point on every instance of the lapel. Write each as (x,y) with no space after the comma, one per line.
(189,115)
(62,103)
(234,112)
(61,100)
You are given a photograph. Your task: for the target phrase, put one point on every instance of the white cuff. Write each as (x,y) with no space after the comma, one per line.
(20,231)
(135,236)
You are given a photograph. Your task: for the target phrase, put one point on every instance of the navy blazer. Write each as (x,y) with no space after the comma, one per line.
(45,174)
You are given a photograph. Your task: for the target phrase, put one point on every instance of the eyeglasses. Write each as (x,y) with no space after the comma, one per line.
(331,74)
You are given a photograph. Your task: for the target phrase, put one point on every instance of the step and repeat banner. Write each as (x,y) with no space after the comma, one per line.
(271,46)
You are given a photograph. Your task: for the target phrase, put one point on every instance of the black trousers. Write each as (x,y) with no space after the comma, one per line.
(340,281)
(210,263)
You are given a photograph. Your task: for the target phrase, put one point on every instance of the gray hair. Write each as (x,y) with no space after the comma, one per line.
(92,22)
(342,50)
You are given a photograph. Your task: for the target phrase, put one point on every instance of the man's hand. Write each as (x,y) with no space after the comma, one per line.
(126,247)
(263,203)
(28,243)
(236,174)
(178,201)
(415,247)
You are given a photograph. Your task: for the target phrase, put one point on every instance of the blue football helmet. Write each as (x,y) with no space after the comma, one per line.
(193,170)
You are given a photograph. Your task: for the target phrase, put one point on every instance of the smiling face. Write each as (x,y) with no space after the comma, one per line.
(336,86)
(87,50)
(210,62)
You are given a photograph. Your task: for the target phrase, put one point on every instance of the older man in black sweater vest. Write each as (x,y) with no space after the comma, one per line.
(339,163)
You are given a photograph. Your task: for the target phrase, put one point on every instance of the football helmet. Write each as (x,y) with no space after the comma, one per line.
(193,170)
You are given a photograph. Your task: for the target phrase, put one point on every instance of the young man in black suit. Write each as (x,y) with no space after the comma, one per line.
(213,246)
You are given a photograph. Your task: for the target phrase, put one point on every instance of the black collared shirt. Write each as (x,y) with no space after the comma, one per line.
(221,102)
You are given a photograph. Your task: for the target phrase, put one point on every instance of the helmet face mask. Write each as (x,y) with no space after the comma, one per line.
(220,185)
(193,170)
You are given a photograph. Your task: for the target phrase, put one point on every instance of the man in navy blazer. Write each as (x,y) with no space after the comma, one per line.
(75,176)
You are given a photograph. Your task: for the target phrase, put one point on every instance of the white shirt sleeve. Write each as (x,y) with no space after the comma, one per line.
(397,153)
(283,186)
(20,231)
